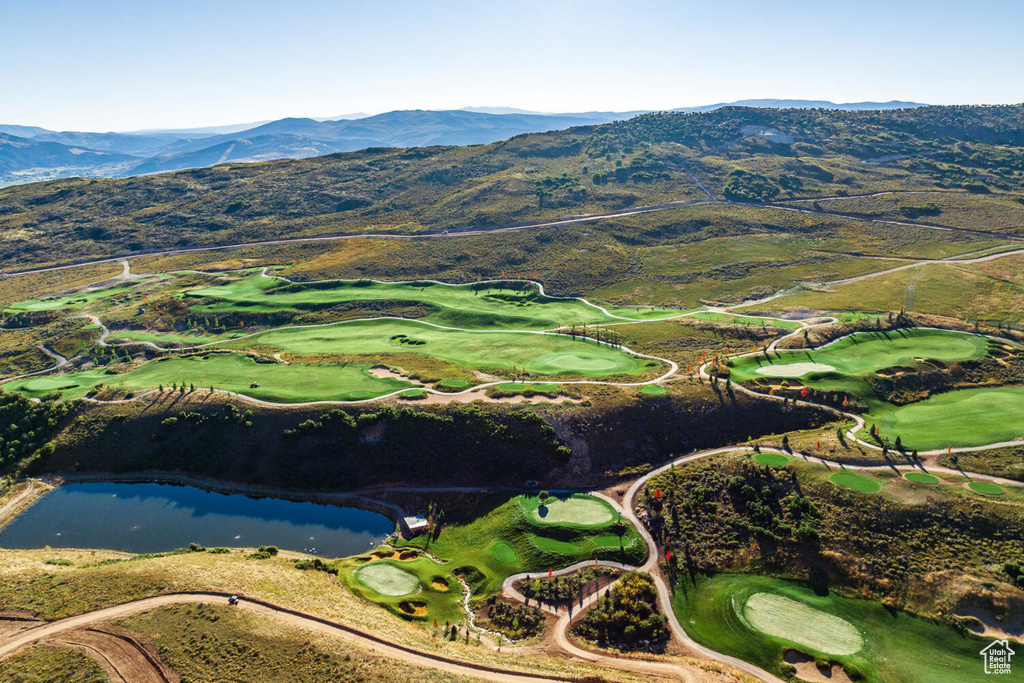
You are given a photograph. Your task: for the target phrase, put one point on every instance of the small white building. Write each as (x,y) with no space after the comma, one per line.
(414,525)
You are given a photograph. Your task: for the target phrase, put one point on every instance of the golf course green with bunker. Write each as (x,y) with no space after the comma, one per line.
(759,619)
(965,417)
(506,536)
(541,354)
(577,510)
(479,305)
(277,382)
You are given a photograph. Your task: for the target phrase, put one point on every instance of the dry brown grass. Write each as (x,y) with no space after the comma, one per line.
(50,591)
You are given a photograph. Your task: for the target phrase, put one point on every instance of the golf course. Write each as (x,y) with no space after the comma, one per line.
(759,618)
(510,535)
(541,354)
(487,305)
(965,417)
(236,372)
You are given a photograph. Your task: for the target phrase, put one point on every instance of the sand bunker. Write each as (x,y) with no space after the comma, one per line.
(793,369)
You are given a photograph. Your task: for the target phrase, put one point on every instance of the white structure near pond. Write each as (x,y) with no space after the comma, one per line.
(413,525)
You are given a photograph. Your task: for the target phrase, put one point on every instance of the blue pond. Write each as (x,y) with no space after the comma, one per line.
(145,518)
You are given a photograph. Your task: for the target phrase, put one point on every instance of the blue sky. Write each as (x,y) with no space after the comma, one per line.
(125,65)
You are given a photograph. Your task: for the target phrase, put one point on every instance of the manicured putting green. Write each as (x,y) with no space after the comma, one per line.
(779,616)
(653,390)
(453,384)
(577,510)
(504,553)
(771,459)
(387,579)
(987,488)
(554,546)
(922,477)
(44,384)
(857,482)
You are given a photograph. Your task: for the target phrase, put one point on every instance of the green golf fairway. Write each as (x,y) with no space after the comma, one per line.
(543,354)
(967,417)
(613,541)
(986,488)
(864,352)
(771,459)
(922,477)
(473,305)
(554,546)
(67,301)
(857,482)
(231,371)
(884,646)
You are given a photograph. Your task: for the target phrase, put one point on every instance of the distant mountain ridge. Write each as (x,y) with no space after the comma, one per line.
(31,153)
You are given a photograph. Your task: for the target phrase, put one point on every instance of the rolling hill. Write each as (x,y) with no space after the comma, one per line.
(77,153)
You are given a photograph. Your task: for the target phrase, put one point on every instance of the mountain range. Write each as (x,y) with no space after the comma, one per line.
(31,153)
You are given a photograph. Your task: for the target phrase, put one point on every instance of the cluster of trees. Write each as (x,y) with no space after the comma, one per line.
(515,621)
(26,428)
(750,186)
(733,513)
(627,617)
(563,590)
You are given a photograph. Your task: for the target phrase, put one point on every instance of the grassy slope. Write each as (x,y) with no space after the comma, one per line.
(217,643)
(992,291)
(898,648)
(44,664)
(99,579)
(646,159)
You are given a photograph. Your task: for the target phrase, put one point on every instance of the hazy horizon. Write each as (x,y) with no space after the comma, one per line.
(122,66)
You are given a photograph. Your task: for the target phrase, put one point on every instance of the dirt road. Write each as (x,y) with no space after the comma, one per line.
(56,629)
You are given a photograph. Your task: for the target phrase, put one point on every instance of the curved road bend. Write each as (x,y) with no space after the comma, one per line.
(355,636)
